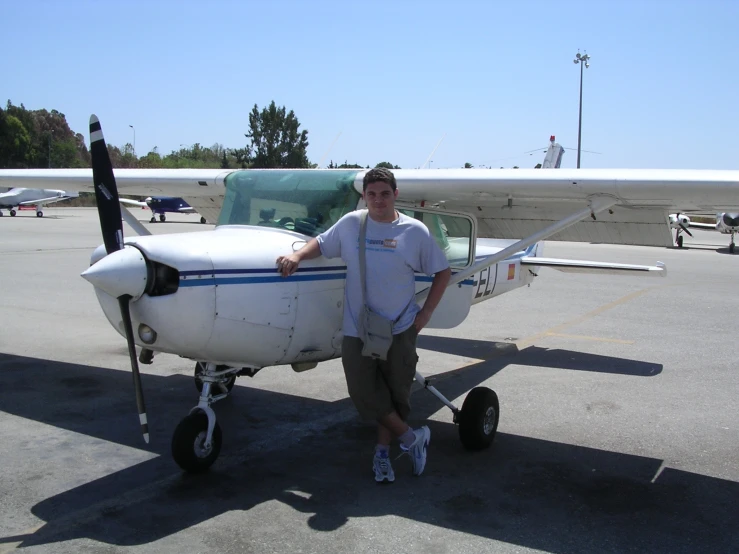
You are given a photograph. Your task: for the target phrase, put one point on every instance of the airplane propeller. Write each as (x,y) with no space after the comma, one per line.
(109,212)
(682,225)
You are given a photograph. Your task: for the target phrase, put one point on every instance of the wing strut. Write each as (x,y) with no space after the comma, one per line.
(596,205)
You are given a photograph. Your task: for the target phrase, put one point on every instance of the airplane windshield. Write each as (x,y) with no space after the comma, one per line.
(308,202)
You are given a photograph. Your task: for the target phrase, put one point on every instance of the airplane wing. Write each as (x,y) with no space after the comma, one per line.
(703,225)
(131,202)
(508,203)
(581,266)
(42,201)
(517,203)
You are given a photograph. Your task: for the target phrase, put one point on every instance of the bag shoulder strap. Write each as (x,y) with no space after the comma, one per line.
(362,261)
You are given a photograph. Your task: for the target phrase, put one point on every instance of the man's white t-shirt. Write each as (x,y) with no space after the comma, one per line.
(394,253)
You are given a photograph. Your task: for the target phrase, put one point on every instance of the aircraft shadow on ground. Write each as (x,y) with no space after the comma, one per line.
(538,356)
(530,492)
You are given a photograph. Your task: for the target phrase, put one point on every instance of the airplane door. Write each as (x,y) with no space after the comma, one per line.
(456,234)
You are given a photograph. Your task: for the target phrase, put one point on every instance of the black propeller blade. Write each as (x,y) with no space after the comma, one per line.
(109,212)
(684,228)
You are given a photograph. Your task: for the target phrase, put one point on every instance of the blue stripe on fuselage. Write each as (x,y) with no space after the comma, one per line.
(209,278)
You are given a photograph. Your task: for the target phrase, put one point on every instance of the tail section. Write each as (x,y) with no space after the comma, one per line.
(553,156)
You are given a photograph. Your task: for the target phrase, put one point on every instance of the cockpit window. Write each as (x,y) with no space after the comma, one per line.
(305,201)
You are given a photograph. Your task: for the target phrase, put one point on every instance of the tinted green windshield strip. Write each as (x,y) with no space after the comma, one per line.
(305,201)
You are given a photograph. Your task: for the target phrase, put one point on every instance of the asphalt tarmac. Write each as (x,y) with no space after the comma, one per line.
(619,425)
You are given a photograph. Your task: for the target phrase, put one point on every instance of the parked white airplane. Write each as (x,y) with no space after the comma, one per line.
(216,296)
(726,223)
(17,197)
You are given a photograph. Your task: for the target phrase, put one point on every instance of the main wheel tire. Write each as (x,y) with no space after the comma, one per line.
(680,242)
(39,214)
(202,220)
(731,248)
(162,218)
(478,418)
(199,383)
(188,443)
(12,213)
(153,219)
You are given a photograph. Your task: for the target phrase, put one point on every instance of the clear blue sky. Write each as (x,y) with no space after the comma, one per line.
(495,78)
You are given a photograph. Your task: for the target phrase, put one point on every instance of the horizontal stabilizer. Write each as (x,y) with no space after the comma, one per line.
(581,266)
(133,202)
(187,210)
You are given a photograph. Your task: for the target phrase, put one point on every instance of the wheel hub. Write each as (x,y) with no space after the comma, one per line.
(199,447)
(488,424)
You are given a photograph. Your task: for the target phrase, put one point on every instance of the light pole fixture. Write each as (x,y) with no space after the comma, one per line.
(583,60)
(134,140)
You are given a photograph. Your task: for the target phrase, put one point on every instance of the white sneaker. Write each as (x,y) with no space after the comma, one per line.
(383,469)
(417,450)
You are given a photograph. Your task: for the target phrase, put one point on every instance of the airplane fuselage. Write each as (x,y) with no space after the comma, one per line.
(15,197)
(219,297)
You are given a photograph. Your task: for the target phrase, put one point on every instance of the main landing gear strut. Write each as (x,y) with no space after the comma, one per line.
(197,440)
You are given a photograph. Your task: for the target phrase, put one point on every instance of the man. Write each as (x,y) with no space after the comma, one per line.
(397,246)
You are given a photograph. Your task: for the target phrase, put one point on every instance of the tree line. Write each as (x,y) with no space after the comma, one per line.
(40,139)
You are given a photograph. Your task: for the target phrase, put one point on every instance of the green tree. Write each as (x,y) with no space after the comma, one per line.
(276,140)
(15,142)
(346,165)
(468,165)
(387,165)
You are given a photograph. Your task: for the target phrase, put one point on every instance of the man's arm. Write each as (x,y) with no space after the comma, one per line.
(438,286)
(287,265)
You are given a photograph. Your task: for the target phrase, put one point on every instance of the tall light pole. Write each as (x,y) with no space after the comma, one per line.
(134,140)
(583,60)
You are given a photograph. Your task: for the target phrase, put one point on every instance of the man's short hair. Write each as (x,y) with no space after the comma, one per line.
(379,174)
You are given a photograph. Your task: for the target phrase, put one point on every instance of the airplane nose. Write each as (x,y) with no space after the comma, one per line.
(731,220)
(122,272)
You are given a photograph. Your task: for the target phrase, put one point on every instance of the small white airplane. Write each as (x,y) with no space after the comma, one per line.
(17,197)
(726,223)
(217,298)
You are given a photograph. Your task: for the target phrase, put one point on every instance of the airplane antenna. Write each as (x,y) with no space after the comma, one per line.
(323,158)
(432,152)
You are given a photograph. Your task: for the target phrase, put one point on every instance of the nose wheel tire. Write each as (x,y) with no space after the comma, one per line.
(188,443)
(229,384)
(478,418)
(679,242)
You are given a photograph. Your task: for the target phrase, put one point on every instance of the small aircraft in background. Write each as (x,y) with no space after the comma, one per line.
(17,197)
(726,223)
(160,205)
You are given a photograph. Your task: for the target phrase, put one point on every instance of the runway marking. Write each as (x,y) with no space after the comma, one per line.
(586,337)
(528,341)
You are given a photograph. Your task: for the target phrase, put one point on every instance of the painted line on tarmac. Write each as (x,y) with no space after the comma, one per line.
(529,341)
(586,337)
